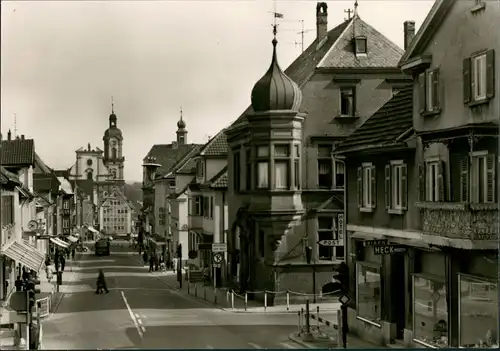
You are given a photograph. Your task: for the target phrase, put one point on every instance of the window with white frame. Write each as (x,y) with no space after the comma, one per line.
(339,174)
(200,169)
(396,186)
(281,166)
(197,203)
(65,223)
(434,180)
(479,77)
(482,180)
(66,204)
(366,187)
(429,91)
(347,101)
(262,167)
(329,245)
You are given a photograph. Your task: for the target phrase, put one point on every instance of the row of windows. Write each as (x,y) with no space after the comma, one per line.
(478,83)
(116,227)
(477,182)
(282,166)
(111,210)
(117,219)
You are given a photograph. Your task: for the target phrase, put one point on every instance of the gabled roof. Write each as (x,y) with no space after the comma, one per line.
(17,152)
(65,185)
(168,156)
(114,195)
(381,52)
(7,177)
(217,146)
(426,31)
(189,157)
(219,181)
(302,69)
(187,168)
(385,127)
(40,166)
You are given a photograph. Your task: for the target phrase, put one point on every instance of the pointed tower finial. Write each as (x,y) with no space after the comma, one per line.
(112,104)
(181,112)
(355,7)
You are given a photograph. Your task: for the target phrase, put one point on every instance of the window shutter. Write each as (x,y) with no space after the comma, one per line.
(360,187)
(490,74)
(464,179)
(467,83)
(490,178)
(421,181)
(388,187)
(374,188)
(435,89)
(421,95)
(441,190)
(404,187)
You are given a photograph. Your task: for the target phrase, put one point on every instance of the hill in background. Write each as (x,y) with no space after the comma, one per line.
(133,192)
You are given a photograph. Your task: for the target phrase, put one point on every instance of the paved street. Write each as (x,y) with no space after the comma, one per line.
(142,311)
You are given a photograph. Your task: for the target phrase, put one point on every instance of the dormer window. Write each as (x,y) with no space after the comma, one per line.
(360,45)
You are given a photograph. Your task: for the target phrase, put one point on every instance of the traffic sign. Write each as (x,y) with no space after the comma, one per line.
(388,249)
(217,257)
(193,254)
(19,301)
(216,265)
(344,299)
(330,243)
(219,247)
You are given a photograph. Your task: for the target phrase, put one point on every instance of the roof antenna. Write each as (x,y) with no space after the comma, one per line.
(112,105)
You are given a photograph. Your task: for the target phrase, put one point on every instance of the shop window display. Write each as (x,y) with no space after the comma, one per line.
(430,311)
(478,313)
(368,293)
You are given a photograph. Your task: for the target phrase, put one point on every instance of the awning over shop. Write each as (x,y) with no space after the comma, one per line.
(24,254)
(59,243)
(93,230)
(72,238)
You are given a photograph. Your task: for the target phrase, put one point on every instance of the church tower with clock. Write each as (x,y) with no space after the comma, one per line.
(113,152)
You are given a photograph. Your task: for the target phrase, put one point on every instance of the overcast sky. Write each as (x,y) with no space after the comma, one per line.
(63,60)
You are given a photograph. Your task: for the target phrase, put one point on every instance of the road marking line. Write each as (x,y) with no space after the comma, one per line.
(139,321)
(288,346)
(255,346)
(134,320)
(210,347)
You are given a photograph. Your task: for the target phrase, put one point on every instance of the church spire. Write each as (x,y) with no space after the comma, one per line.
(181,131)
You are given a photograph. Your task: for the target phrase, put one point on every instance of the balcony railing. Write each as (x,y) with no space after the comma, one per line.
(460,220)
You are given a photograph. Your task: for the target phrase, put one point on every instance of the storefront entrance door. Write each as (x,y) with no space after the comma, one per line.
(398,294)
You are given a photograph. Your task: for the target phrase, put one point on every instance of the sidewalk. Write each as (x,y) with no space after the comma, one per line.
(223,298)
(321,342)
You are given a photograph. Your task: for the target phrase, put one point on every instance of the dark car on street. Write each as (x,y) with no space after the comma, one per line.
(102,247)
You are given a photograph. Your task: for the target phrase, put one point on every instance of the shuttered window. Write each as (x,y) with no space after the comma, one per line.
(429,94)
(479,77)
(396,186)
(432,181)
(482,177)
(367,196)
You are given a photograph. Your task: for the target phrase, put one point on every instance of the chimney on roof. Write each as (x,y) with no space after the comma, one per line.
(22,136)
(321,21)
(174,144)
(9,135)
(409,32)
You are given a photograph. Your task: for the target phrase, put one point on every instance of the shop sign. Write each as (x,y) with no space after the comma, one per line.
(371,243)
(388,249)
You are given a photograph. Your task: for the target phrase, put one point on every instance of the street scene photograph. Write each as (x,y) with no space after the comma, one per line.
(257,174)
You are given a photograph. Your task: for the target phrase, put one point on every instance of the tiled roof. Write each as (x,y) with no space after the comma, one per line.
(219,181)
(187,168)
(7,176)
(85,186)
(17,152)
(188,158)
(168,156)
(217,146)
(385,126)
(381,52)
(301,70)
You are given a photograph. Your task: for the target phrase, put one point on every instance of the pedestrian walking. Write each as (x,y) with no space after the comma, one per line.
(101,283)
(73,253)
(151,263)
(63,263)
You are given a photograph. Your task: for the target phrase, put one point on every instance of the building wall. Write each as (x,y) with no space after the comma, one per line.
(213,166)
(160,204)
(380,218)
(452,43)
(111,218)
(99,171)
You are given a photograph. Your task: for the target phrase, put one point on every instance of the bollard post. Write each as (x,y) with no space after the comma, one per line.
(321,294)
(298,331)
(195,290)
(288,300)
(227,296)
(188,286)
(265,300)
(205,293)
(232,299)
(339,329)
(317,314)
(308,335)
(215,296)
(246,301)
